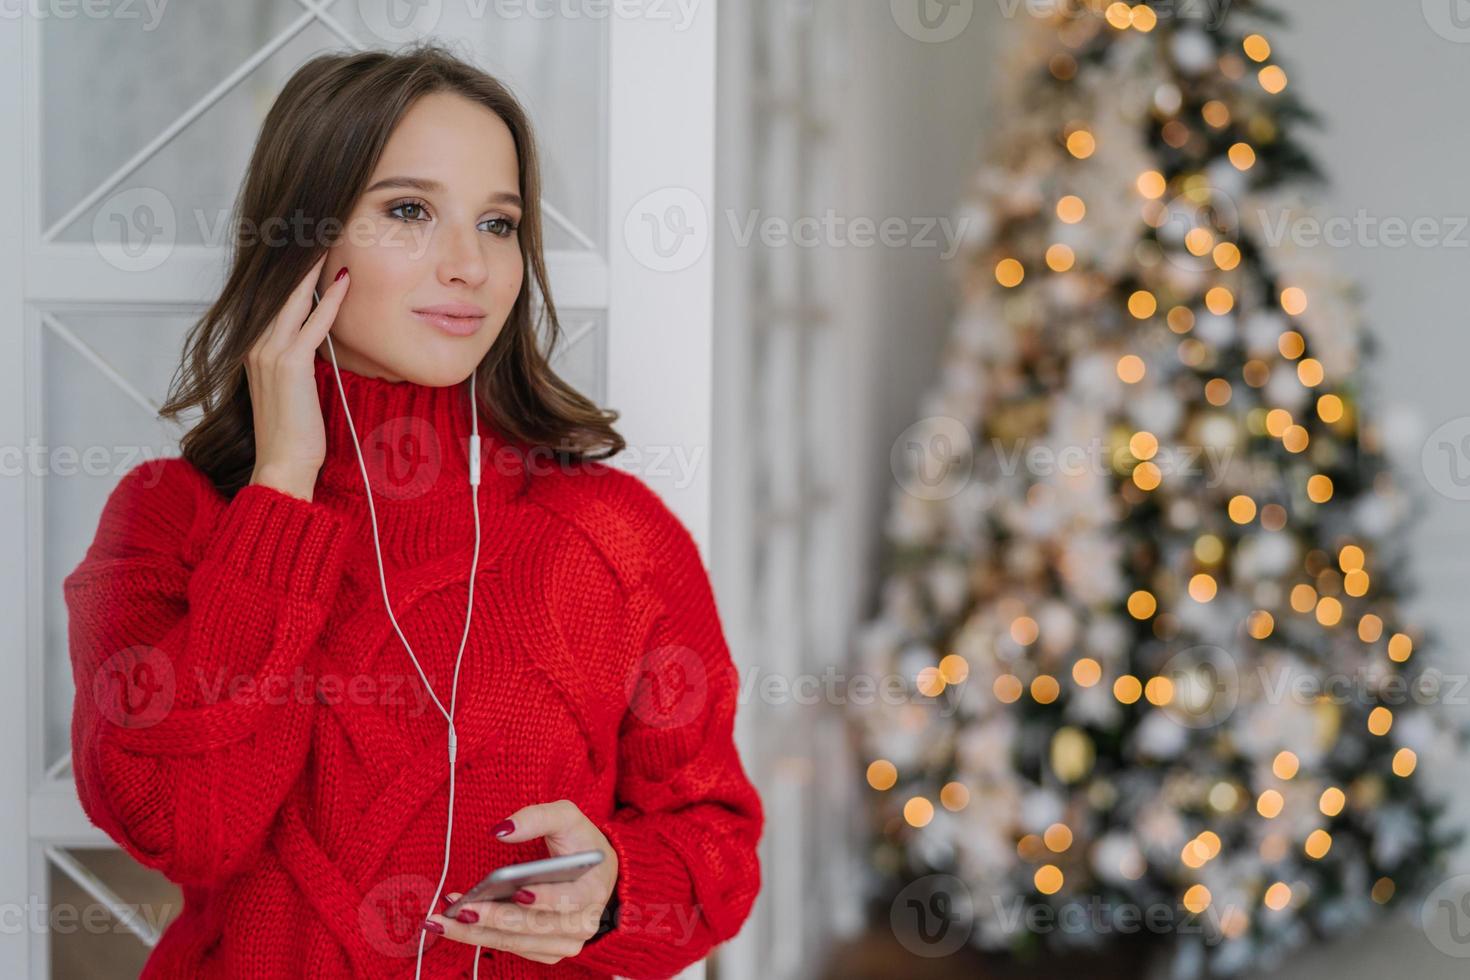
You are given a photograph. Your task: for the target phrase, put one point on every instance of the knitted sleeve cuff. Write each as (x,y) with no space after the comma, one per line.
(284,543)
(647,925)
(609,920)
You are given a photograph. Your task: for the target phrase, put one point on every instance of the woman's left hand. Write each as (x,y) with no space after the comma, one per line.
(562,916)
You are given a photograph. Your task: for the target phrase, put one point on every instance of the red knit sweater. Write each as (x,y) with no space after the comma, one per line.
(248,722)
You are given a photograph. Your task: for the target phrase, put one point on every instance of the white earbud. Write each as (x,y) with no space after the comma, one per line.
(453,738)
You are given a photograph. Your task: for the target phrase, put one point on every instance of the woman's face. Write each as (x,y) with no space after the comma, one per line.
(436,227)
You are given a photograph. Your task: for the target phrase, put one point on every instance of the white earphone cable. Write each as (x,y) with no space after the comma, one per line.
(474,460)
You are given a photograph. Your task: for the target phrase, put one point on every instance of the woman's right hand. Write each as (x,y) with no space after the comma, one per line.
(290,437)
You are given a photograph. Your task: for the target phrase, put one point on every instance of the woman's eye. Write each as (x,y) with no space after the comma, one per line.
(405,204)
(506,227)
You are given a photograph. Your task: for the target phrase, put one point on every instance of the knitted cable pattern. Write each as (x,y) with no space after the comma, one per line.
(247,722)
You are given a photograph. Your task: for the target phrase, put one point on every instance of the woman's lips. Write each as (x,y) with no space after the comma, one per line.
(458,326)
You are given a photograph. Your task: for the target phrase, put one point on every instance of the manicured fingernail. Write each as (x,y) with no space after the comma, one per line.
(503,828)
(468,915)
(431,926)
(340,273)
(524,897)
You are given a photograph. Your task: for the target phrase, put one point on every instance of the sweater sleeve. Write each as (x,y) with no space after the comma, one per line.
(687,820)
(191,719)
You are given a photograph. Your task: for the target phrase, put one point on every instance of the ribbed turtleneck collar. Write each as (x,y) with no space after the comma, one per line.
(414,437)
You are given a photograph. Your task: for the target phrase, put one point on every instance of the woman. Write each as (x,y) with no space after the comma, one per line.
(274,634)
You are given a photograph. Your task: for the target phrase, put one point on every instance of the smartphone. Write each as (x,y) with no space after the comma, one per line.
(504,882)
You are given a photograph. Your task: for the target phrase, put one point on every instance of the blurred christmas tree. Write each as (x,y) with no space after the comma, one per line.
(1144,555)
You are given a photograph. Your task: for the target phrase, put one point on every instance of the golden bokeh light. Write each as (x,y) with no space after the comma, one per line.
(1269,804)
(1242,509)
(1147,476)
(1329,409)
(1202,587)
(1309,372)
(1057,837)
(882,774)
(1278,896)
(1086,672)
(1143,445)
(1009,273)
(918,812)
(1081,144)
(1400,646)
(1294,300)
(1151,184)
(1260,624)
(1048,879)
(1060,258)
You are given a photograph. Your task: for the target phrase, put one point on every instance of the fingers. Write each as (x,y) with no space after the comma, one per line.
(552,820)
(550,895)
(283,328)
(325,314)
(531,944)
(567,914)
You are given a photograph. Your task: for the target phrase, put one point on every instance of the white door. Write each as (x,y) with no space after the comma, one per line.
(135,122)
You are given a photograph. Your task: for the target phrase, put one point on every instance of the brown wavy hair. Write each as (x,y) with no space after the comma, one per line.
(315,153)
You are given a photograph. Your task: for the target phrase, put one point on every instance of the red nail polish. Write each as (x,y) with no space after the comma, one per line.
(524,897)
(431,926)
(340,273)
(468,915)
(503,828)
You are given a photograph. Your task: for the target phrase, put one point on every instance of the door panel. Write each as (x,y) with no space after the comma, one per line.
(134,139)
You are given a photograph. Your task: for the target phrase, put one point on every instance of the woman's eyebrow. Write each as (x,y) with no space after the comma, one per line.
(432,186)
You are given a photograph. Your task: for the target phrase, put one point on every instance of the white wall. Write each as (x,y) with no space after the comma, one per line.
(914,136)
